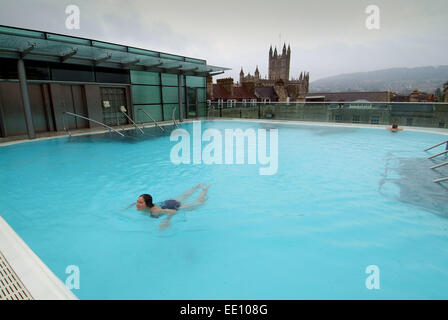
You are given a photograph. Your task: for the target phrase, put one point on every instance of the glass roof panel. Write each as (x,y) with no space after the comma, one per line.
(15,41)
(21,32)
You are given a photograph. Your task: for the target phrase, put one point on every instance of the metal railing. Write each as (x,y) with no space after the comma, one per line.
(123,110)
(174,119)
(436,155)
(439,144)
(409,114)
(85,118)
(151,119)
(439,165)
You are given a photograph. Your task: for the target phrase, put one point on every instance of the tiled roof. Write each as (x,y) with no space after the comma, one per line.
(239,93)
(220,93)
(242,93)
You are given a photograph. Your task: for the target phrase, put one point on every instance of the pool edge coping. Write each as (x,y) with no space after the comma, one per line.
(37,278)
(442,131)
(86,132)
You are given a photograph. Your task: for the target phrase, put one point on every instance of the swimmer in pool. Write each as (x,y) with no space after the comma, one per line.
(170,207)
(394,128)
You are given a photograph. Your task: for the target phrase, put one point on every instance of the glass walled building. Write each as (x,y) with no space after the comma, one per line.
(43,75)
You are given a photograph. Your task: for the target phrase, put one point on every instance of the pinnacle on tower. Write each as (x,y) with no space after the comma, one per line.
(242,71)
(289,49)
(275,52)
(270,51)
(284,49)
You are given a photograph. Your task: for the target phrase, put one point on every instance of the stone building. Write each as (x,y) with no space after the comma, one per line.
(278,77)
(225,92)
(418,96)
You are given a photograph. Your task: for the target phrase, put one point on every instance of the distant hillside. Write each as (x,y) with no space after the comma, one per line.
(402,80)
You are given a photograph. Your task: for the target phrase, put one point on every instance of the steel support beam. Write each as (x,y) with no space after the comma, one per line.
(179,93)
(25,99)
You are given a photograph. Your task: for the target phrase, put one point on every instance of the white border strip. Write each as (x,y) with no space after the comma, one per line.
(442,131)
(88,131)
(32,272)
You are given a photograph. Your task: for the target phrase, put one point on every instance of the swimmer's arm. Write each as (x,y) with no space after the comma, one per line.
(166,223)
(129,206)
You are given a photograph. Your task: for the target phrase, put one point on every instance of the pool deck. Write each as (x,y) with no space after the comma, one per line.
(24,276)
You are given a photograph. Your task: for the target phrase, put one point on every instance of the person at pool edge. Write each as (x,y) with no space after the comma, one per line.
(170,207)
(394,127)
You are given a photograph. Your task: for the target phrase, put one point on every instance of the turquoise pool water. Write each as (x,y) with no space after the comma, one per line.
(342,199)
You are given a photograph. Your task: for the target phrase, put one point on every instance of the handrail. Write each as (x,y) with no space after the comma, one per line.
(443,152)
(151,119)
(446,141)
(174,119)
(123,110)
(441,179)
(439,165)
(77,115)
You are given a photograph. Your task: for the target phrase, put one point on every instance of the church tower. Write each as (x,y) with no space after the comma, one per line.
(279,64)
(241,76)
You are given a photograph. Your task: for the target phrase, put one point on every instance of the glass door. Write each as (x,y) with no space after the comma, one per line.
(112,99)
(192,103)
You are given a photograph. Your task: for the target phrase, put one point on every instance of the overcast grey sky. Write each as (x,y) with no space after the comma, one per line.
(327,37)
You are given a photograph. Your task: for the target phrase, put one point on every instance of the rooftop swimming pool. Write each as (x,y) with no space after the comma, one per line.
(342,199)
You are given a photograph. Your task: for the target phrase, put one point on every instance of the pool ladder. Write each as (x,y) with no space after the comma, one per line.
(151,119)
(85,118)
(123,110)
(436,155)
(174,119)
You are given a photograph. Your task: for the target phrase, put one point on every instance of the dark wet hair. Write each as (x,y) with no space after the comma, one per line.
(148,200)
(395,126)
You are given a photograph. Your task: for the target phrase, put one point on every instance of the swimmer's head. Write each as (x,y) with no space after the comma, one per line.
(394,126)
(144,201)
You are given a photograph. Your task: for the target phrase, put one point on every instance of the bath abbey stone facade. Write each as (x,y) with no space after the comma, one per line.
(278,78)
